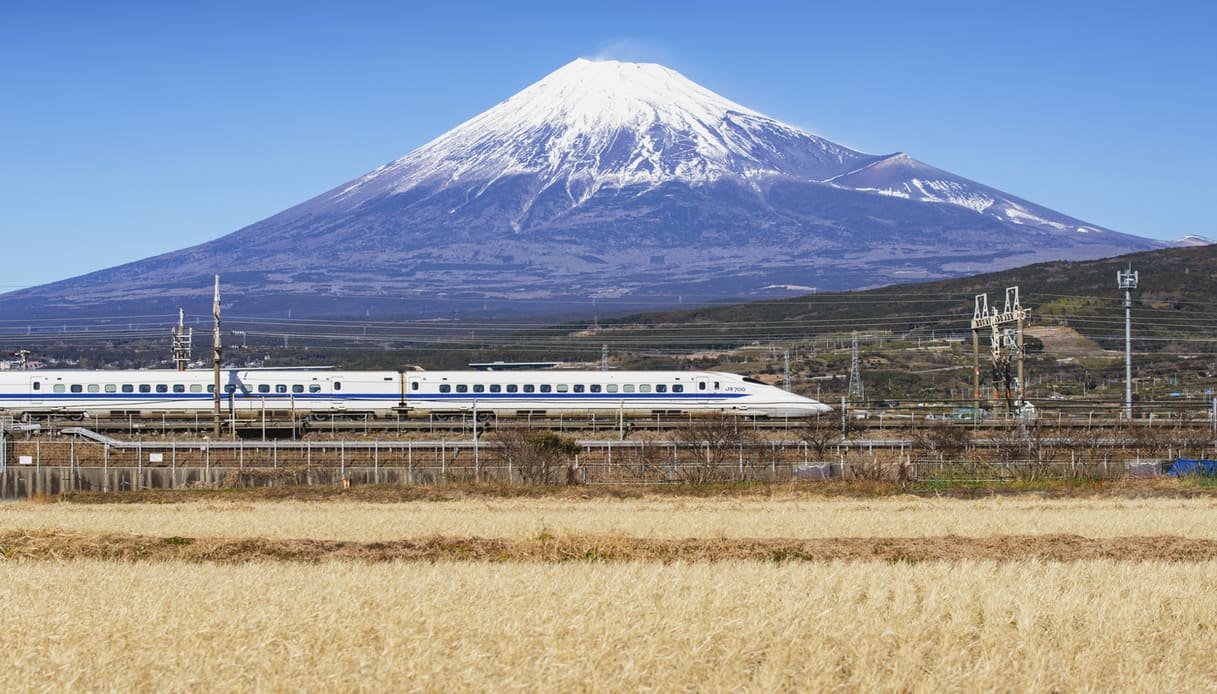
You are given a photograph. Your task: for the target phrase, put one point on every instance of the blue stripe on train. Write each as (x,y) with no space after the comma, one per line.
(124,397)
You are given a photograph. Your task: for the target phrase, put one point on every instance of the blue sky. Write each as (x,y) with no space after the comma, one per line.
(128,129)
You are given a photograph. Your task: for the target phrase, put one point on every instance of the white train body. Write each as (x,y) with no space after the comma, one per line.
(506,393)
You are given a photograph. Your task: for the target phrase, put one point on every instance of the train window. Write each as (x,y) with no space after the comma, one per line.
(145,388)
(337,385)
(76,388)
(297,387)
(661,388)
(211,389)
(578,387)
(179,387)
(280,387)
(196,388)
(512,388)
(562,388)
(701,385)
(716,385)
(496,388)
(111,388)
(611,388)
(462,388)
(263,388)
(128,388)
(479,388)
(445,388)
(94,388)
(628,388)
(162,388)
(37,385)
(230,388)
(545,388)
(414,385)
(529,388)
(59,388)
(314,387)
(644,388)
(595,387)
(678,388)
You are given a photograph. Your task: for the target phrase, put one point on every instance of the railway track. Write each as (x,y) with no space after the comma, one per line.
(252,426)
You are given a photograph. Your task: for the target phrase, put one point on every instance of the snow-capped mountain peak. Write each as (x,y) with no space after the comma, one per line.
(617,124)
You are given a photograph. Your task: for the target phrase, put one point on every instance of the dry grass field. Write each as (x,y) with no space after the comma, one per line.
(654,593)
(654,517)
(726,626)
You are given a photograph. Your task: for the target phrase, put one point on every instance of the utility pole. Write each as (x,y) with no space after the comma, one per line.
(216,351)
(604,357)
(786,369)
(1127,280)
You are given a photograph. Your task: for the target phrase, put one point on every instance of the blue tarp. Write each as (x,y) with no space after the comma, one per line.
(1190,466)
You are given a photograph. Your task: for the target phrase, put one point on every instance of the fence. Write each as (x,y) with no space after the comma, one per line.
(85,461)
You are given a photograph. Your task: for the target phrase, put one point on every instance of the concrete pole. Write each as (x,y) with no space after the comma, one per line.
(216,352)
(1128,353)
(1127,281)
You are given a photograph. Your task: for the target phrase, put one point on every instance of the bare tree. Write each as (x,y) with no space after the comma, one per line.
(1150,441)
(823,433)
(709,442)
(943,440)
(1087,448)
(1027,450)
(541,457)
(650,461)
(1192,442)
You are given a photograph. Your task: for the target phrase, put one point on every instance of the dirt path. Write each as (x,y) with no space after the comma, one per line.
(60,545)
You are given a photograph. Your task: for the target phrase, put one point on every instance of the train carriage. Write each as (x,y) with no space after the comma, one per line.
(321,392)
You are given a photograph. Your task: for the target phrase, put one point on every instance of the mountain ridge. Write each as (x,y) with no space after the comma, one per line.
(603,182)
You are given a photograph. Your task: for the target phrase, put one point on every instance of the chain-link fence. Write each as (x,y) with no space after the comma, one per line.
(83,460)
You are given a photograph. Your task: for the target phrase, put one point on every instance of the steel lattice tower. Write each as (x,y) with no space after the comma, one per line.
(856,393)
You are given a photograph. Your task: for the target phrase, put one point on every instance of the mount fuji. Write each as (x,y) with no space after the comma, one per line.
(620,185)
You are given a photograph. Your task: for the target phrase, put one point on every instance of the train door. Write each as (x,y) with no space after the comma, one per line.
(337,394)
(37,386)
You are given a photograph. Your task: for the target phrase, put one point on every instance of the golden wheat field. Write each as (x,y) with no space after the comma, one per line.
(595,595)
(730,626)
(655,517)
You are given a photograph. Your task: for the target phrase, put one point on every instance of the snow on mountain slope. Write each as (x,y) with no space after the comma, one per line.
(1193,240)
(904,177)
(593,124)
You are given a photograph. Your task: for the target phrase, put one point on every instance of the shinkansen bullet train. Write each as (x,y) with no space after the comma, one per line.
(328,392)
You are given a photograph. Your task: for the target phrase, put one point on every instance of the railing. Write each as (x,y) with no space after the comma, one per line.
(84,460)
